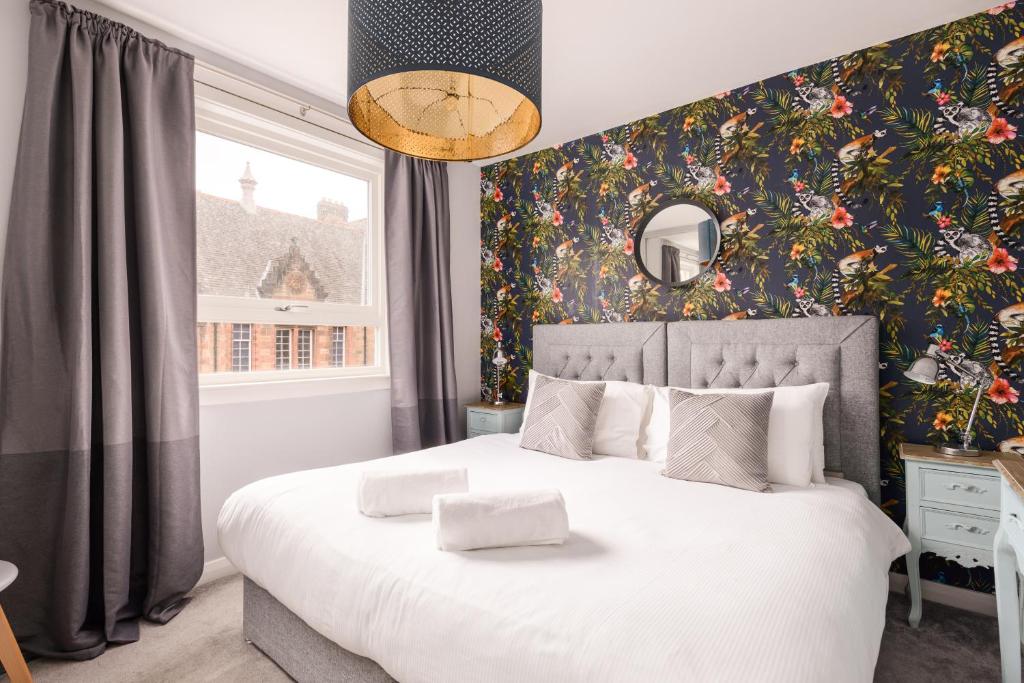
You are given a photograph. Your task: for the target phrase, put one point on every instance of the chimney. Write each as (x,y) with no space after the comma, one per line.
(248,183)
(335,213)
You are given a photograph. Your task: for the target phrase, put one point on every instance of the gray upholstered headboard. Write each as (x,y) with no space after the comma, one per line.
(842,351)
(628,352)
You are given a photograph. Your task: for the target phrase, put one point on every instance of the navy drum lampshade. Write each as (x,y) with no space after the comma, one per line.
(452,80)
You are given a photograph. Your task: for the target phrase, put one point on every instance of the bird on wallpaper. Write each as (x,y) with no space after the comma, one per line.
(936,211)
(938,333)
(1014,445)
(859,148)
(1012,317)
(741,315)
(636,196)
(564,169)
(858,261)
(794,283)
(737,221)
(794,176)
(504,221)
(936,87)
(735,124)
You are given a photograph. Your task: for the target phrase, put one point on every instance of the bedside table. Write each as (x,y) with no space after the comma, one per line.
(952,510)
(1009,551)
(484,418)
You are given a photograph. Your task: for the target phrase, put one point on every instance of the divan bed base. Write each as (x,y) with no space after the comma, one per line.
(301,652)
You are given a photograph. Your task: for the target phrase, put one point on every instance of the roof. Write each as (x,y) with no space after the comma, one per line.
(237,249)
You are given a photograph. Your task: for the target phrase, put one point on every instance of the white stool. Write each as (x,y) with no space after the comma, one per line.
(10,653)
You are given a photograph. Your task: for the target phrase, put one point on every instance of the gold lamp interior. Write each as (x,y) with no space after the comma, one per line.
(444,115)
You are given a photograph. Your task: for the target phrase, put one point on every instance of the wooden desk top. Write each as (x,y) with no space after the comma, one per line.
(491,406)
(925,453)
(1013,472)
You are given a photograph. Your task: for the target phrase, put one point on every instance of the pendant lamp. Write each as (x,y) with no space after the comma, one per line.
(452,80)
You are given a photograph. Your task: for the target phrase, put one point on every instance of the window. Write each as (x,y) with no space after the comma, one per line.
(283,349)
(289,246)
(305,348)
(338,347)
(241,348)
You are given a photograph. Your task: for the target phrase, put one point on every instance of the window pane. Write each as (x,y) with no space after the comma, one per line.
(233,347)
(305,348)
(338,347)
(241,347)
(283,349)
(272,227)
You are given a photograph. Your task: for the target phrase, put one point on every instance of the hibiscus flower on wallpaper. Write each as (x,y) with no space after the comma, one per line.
(889,181)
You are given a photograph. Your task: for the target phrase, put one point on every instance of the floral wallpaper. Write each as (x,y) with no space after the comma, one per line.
(889,181)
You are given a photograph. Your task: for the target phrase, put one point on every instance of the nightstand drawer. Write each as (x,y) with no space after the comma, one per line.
(958,528)
(956,488)
(472,433)
(485,422)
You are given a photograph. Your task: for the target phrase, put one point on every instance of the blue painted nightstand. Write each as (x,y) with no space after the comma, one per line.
(952,510)
(485,418)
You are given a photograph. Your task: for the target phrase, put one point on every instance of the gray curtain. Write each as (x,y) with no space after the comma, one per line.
(99,456)
(424,403)
(669,263)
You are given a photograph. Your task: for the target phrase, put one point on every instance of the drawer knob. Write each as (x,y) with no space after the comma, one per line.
(970,488)
(968,528)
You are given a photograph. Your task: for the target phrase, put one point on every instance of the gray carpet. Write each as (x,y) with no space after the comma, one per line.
(204,643)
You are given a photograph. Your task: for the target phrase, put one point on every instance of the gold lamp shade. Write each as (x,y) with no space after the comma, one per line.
(452,80)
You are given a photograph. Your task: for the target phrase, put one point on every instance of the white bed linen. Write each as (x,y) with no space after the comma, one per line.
(660,579)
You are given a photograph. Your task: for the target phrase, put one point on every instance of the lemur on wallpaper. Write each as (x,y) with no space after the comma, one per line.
(888,181)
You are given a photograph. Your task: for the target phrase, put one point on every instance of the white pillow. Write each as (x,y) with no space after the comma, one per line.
(623,409)
(795,430)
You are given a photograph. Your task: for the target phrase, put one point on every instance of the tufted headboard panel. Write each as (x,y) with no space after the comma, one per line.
(629,352)
(842,351)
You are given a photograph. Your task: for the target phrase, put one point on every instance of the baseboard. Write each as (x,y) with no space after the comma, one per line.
(962,598)
(216,569)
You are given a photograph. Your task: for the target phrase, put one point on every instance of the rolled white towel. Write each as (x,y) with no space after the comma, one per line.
(386,493)
(465,521)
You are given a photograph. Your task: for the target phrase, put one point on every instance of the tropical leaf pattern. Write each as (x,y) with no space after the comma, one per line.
(889,181)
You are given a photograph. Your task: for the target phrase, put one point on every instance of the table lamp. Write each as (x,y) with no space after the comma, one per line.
(499,361)
(972,373)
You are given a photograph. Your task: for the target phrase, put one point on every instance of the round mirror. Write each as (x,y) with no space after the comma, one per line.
(678,243)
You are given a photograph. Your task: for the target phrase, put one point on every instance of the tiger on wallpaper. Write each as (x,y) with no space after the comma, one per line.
(888,181)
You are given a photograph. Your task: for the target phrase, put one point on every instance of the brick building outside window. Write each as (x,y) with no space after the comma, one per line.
(248,251)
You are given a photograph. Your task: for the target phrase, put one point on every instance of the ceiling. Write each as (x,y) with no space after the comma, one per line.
(606,62)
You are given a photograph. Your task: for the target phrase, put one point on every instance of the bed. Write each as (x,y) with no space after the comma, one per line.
(660,580)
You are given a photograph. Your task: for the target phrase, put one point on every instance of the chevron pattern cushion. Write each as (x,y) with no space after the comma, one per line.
(719,439)
(562,417)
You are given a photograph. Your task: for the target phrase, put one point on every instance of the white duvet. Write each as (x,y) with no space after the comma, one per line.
(660,580)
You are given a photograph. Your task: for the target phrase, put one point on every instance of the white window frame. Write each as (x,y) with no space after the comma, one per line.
(258,119)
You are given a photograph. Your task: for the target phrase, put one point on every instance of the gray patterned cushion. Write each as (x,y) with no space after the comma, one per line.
(719,439)
(562,417)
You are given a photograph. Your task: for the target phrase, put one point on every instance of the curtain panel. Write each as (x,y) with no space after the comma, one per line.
(424,398)
(99,456)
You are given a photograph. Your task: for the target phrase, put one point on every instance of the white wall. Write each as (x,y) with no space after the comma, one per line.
(464,194)
(243,442)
